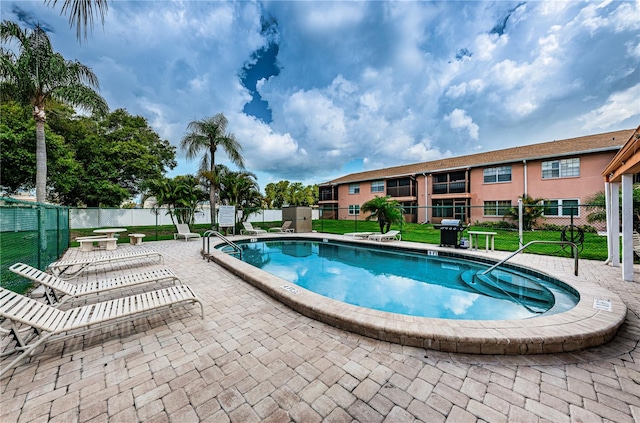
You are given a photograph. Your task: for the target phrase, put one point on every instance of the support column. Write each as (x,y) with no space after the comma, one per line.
(613,231)
(627,227)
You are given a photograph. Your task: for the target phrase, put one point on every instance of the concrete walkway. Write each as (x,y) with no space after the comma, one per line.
(252,359)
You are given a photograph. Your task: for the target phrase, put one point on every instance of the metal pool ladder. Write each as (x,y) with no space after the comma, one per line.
(206,254)
(574,249)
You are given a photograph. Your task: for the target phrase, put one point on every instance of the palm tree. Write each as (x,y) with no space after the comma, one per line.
(82,12)
(38,75)
(385,210)
(208,134)
(213,178)
(532,210)
(241,190)
(596,204)
(181,195)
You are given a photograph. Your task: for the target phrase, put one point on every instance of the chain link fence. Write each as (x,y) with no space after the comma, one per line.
(32,233)
(38,234)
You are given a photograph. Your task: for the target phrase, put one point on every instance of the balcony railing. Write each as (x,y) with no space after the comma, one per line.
(328,195)
(406,191)
(456,187)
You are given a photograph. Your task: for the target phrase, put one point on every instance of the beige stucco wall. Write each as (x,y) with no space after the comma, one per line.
(582,187)
(579,187)
(589,182)
(345,199)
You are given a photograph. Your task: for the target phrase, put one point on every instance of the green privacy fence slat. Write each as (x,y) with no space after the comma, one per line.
(32,233)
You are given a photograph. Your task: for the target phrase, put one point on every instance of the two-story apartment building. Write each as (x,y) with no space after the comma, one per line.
(483,186)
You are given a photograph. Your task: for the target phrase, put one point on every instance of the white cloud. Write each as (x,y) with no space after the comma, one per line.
(331,16)
(377,83)
(619,107)
(455,91)
(486,44)
(458,119)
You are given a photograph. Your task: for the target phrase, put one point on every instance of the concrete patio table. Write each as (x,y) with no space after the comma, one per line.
(109,232)
(111,242)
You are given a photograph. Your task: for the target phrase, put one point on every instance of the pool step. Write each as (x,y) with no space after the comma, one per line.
(510,286)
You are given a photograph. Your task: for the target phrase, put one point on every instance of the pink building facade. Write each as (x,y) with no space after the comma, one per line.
(481,187)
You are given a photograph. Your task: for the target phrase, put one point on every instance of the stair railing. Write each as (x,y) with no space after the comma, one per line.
(207,236)
(574,250)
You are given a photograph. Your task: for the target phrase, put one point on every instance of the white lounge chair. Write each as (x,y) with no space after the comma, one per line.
(389,236)
(184,232)
(283,228)
(47,321)
(55,286)
(68,269)
(360,235)
(250,230)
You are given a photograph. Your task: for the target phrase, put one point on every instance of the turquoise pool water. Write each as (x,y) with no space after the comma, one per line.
(416,284)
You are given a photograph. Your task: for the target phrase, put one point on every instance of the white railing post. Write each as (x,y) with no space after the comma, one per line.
(520,221)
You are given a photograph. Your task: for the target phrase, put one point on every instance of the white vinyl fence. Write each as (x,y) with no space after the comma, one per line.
(98,218)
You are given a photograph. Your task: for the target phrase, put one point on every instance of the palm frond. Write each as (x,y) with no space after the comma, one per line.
(82,13)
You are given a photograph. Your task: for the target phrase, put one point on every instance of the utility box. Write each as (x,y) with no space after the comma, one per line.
(300,218)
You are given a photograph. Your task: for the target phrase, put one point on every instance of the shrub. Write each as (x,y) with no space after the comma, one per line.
(501,224)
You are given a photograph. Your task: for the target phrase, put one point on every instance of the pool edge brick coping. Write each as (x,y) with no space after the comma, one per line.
(581,327)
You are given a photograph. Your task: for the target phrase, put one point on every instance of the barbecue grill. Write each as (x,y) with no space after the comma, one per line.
(449,232)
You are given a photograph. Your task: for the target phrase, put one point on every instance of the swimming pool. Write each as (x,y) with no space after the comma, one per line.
(410,283)
(593,321)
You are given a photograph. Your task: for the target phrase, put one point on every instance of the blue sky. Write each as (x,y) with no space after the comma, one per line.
(314,90)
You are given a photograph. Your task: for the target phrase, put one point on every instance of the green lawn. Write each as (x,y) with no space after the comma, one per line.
(594,246)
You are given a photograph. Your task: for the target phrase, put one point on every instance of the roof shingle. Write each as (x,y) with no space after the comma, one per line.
(608,141)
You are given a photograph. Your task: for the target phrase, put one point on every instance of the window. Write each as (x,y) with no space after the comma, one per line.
(377,186)
(560,168)
(354,209)
(442,208)
(441,178)
(497,174)
(496,208)
(561,208)
(354,188)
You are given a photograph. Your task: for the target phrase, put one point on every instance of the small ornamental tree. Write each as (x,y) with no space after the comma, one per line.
(532,210)
(385,210)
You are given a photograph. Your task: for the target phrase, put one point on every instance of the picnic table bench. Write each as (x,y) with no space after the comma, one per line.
(136,239)
(488,236)
(87,242)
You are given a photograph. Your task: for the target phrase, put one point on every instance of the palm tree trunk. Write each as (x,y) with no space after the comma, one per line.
(212,202)
(41,155)
(212,189)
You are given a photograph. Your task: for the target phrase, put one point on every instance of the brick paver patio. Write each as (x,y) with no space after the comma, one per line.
(252,359)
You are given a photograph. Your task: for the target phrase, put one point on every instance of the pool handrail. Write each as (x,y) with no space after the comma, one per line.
(207,235)
(574,249)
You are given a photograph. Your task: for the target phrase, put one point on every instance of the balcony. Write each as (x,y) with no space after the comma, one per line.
(403,191)
(456,187)
(328,195)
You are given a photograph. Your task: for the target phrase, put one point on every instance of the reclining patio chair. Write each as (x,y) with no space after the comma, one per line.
(55,286)
(283,228)
(250,230)
(68,269)
(389,236)
(184,232)
(47,321)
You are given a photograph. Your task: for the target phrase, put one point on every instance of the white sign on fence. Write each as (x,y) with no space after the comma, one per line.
(227,216)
